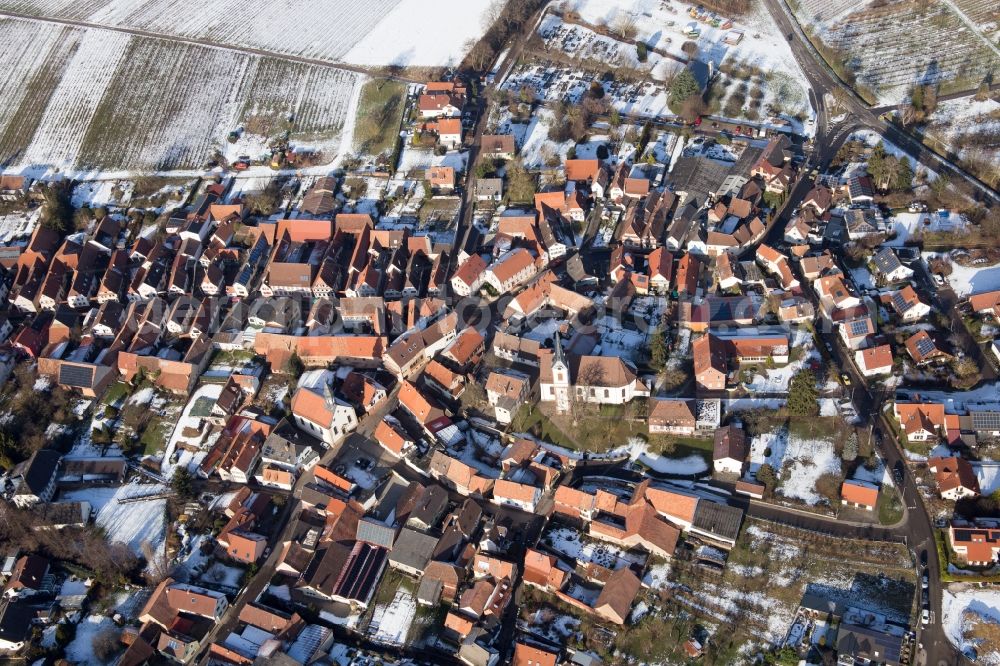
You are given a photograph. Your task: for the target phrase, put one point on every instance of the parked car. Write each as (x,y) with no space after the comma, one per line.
(925,617)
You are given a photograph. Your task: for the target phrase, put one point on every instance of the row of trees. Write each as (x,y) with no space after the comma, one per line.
(501,21)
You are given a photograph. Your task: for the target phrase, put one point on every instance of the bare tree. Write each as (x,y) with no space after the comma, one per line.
(624,26)
(106,644)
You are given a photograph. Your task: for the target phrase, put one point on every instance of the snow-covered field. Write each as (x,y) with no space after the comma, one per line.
(221,575)
(138,521)
(105,100)
(583,549)
(638,451)
(798,463)
(393,620)
(777,380)
(960,607)
(965,280)
(989,477)
(537,149)
(80,650)
(905,225)
(970,128)
(375,33)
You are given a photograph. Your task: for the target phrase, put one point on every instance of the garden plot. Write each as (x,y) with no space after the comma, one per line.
(970,620)
(92,101)
(222,576)
(965,280)
(97,496)
(887,56)
(80,650)
(377,33)
(18,226)
(391,622)
(908,225)
(798,463)
(556,627)
(188,434)
(769,571)
(618,341)
(538,150)
(777,380)
(479,451)
(136,516)
(583,549)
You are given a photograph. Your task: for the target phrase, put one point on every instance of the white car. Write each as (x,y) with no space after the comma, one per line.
(925,617)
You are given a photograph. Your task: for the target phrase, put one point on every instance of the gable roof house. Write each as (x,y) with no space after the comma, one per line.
(316,411)
(923,349)
(976,544)
(729,453)
(874,361)
(920,422)
(888,268)
(497,146)
(674,416)
(35,479)
(955,477)
(908,305)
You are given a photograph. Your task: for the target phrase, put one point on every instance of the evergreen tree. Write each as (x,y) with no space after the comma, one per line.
(658,353)
(683,87)
(803,398)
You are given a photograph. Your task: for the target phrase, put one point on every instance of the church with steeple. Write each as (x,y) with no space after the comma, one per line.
(604,380)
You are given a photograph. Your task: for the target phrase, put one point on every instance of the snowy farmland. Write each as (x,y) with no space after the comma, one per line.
(886,52)
(90,100)
(375,33)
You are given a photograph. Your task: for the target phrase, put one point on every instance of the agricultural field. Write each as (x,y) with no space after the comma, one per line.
(969,129)
(93,100)
(884,46)
(375,33)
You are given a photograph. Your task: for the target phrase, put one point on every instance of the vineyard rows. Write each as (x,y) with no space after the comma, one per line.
(376,32)
(92,99)
(890,50)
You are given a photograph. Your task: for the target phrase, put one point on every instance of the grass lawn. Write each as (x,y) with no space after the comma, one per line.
(890,509)
(154,437)
(116,393)
(589,428)
(531,420)
(379,111)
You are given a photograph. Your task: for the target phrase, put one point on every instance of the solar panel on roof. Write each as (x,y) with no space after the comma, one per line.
(859,327)
(985,420)
(75,375)
(925,346)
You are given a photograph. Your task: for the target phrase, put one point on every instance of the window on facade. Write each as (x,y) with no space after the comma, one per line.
(607,393)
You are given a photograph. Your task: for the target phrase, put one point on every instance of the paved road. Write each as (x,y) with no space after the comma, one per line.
(917,532)
(194,41)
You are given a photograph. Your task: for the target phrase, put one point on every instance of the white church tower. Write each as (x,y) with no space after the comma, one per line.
(560,377)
